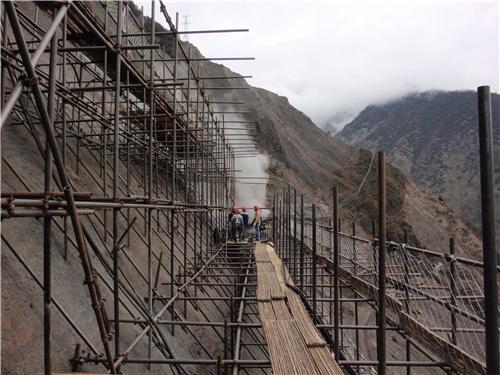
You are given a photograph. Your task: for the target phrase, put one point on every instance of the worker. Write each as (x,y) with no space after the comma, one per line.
(236,226)
(230,222)
(257,221)
(244,215)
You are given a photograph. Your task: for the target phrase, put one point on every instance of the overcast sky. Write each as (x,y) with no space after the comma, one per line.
(330,57)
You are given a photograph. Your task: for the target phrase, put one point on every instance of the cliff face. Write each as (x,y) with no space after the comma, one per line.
(433,139)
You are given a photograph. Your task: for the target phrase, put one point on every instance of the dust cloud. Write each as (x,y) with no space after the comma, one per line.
(252,191)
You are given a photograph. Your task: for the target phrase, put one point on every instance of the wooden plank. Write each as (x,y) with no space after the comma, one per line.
(324,361)
(301,359)
(266,311)
(280,310)
(304,322)
(280,359)
(267,281)
(263,290)
(288,354)
(261,254)
(294,344)
(282,272)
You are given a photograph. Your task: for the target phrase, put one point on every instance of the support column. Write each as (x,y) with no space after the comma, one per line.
(336,304)
(302,242)
(314,261)
(47,220)
(488,230)
(116,155)
(381,352)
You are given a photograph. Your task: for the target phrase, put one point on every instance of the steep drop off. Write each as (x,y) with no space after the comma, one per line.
(433,138)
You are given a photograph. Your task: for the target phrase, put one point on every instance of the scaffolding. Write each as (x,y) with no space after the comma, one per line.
(132,177)
(427,308)
(126,114)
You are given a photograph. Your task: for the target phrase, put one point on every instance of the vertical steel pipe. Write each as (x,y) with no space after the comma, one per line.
(301,261)
(453,292)
(288,226)
(314,260)
(336,258)
(356,312)
(294,273)
(274,219)
(150,171)
(381,352)
(116,160)
(407,297)
(174,109)
(47,220)
(172,265)
(488,230)
(64,126)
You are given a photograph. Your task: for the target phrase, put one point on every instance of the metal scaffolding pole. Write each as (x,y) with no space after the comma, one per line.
(488,230)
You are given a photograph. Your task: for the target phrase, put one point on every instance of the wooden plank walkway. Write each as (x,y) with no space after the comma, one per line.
(294,344)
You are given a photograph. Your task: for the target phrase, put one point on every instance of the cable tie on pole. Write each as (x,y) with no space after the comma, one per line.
(97,307)
(450,258)
(92,279)
(45,205)
(10,206)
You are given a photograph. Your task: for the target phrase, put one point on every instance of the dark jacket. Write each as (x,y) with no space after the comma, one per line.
(244,215)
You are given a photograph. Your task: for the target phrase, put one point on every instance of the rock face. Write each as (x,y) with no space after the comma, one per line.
(433,138)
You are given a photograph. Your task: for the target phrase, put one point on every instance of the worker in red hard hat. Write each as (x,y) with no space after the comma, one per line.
(244,215)
(236,226)
(257,221)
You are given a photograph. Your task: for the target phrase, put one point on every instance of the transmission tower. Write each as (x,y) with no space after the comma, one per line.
(186,23)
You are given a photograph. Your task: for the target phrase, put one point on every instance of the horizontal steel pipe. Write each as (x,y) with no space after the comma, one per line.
(6,214)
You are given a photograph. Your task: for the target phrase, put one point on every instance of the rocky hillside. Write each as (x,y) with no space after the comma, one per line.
(305,156)
(433,138)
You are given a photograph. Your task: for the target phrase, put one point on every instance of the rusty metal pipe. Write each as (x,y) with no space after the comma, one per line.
(47,124)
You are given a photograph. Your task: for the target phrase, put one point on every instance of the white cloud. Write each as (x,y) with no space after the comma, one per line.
(339,56)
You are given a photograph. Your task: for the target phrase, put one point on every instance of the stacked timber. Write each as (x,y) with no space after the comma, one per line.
(266,311)
(306,326)
(269,287)
(294,344)
(287,351)
(261,254)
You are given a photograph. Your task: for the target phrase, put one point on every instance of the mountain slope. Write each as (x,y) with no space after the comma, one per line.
(433,138)
(308,158)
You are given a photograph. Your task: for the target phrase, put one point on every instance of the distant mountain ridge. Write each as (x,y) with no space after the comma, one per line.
(433,138)
(304,156)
